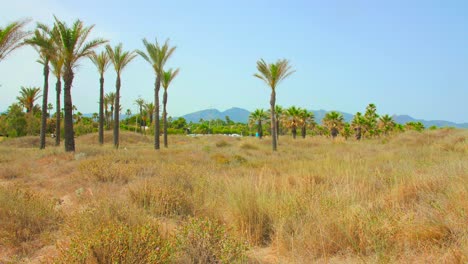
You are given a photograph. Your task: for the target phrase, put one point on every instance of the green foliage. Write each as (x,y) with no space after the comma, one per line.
(417,126)
(205,241)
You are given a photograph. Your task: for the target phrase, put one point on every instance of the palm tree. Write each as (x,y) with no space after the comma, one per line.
(305,118)
(150,110)
(166,80)
(28,95)
(57,69)
(292,119)
(101,62)
(120,59)
(157,56)
(334,122)
(110,100)
(128,113)
(49,108)
(140,102)
(386,124)
(279,112)
(258,116)
(357,124)
(43,41)
(273,74)
(74,47)
(11,37)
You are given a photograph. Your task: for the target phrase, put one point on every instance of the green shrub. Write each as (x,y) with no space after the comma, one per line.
(205,241)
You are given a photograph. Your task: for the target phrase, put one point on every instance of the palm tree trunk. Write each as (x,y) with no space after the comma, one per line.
(260,129)
(303,131)
(294,132)
(277,130)
(273,120)
(101,110)
(116,112)
(157,86)
(68,106)
(58,111)
(44,105)
(165,117)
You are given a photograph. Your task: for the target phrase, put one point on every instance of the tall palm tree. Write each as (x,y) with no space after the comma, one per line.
(150,110)
(258,116)
(11,37)
(334,122)
(386,124)
(74,47)
(140,102)
(273,74)
(101,61)
(120,59)
(292,119)
(305,118)
(56,62)
(157,56)
(43,41)
(166,80)
(28,95)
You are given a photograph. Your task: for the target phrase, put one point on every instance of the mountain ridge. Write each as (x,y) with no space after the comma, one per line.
(242,115)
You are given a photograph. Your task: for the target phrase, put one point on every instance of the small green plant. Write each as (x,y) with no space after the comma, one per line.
(205,241)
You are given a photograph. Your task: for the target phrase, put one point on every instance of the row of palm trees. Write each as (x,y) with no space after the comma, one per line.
(63,47)
(368,125)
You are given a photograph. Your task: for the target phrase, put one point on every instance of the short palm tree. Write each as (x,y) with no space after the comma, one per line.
(166,80)
(273,74)
(11,37)
(140,102)
(28,95)
(292,119)
(43,41)
(157,56)
(334,122)
(306,118)
(150,109)
(74,47)
(120,59)
(357,124)
(102,62)
(110,100)
(258,116)
(279,113)
(386,124)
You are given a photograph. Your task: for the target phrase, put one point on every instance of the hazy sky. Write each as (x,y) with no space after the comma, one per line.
(407,57)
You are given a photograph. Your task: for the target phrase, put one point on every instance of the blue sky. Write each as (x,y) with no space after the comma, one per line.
(407,57)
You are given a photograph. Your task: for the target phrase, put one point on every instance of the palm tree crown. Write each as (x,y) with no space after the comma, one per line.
(11,36)
(28,95)
(157,55)
(119,58)
(273,73)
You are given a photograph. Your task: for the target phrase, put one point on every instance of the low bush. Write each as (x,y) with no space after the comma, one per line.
(205,241)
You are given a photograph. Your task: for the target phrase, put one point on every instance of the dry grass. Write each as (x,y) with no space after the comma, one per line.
(398,199)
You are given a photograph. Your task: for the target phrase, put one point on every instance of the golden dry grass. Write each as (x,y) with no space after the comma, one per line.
(397,199)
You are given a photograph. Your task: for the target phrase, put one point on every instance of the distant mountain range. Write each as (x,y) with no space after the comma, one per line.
(241,115)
